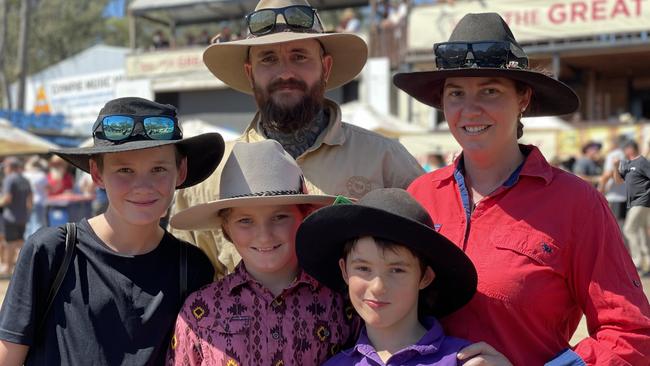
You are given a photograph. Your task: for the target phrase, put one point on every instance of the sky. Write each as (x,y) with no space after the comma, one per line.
(115,9)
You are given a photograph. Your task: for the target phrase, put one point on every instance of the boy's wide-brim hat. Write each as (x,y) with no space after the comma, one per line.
(226,60)
(389,214)
(550,96)
(203,152)
(255,174)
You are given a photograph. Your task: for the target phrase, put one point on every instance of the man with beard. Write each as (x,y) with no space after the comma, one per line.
(287,63)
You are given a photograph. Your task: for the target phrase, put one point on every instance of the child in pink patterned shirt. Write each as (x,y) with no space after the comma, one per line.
(268,311)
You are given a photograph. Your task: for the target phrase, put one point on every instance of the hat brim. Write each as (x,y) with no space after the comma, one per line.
(205,216)
(322,235)
(226,60)
(550,96)
(203,152)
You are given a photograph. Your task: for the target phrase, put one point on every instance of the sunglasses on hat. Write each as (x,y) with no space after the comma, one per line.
(121,127)
(297,18)
(495,54)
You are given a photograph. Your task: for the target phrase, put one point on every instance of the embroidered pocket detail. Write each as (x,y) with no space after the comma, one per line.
(536,246)
(521,265)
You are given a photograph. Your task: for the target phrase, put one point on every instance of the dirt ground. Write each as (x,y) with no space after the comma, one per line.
(580,333)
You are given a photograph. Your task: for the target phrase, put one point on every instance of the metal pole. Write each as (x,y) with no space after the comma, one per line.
(132,30)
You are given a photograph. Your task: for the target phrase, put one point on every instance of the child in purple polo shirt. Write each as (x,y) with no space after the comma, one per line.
(268,311)
(399,272)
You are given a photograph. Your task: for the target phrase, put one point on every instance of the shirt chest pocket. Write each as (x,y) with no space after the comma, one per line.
(521,267)
(235,325)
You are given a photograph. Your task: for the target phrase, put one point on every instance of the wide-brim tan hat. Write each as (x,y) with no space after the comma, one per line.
(255,174)
(226,60)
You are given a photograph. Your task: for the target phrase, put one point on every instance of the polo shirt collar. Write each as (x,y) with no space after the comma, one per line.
(430,343)
(332,135)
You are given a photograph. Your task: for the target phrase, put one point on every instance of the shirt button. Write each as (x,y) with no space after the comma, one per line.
(275,335)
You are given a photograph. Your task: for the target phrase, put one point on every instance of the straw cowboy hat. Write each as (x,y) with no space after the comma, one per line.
(255,174)
(226,60)
(550,96)
(389,214)
(203,152)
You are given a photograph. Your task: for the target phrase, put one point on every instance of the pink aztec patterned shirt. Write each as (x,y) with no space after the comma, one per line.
(238,322)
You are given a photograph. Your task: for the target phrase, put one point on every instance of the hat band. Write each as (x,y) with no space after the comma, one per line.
(269,194)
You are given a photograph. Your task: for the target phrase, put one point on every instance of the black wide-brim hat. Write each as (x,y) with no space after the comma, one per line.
(550,97)
(390,214)
(203,152)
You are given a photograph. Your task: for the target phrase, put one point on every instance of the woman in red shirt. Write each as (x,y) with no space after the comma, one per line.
(545,245)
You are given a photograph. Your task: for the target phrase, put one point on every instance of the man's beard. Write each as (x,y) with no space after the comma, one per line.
(288,119)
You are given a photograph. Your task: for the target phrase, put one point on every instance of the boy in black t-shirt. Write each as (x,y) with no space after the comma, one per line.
(122,291)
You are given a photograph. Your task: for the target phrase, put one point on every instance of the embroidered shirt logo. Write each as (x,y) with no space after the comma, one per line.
(358,186)
(437,227)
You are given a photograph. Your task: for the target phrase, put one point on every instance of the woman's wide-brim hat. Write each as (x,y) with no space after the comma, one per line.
(255,174)
(550,97)
(203,152)
(390,214)
(226,60)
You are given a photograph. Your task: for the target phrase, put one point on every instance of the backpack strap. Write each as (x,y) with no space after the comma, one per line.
(70,244)
(183,273)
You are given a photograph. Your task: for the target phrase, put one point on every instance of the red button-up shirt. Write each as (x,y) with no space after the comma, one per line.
(546,249)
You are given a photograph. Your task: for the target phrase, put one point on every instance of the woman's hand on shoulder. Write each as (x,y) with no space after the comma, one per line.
(482,354)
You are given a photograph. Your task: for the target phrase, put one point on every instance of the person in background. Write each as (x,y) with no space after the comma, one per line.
(225,35)
(287,63)
(586,167)
(634,171)
(434,161)
(349,22)
(36,173)
(615,193)
(546,247)
(204,38)
(159,40)
(59,178)
(16,200)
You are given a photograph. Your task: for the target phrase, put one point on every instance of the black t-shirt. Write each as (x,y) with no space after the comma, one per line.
(111,309)
(636,173)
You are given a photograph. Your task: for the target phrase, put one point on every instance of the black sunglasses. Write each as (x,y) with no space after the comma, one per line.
(297,18)
(495,54)
(121,127)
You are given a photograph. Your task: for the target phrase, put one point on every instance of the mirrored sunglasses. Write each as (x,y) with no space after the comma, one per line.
(121,127)
(299,18)
(494,54)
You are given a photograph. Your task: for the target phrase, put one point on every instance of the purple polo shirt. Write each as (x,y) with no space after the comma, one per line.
(434,348)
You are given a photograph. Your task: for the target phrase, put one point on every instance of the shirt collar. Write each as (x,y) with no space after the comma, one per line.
(332,135)
(240,277)
(428,344)
(535,165)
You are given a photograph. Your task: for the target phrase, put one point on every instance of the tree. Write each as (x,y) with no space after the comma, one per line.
(65,28)
(4,86)
(60,29)
(23,45)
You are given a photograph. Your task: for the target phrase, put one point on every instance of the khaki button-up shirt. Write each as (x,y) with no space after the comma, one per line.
(345,160)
